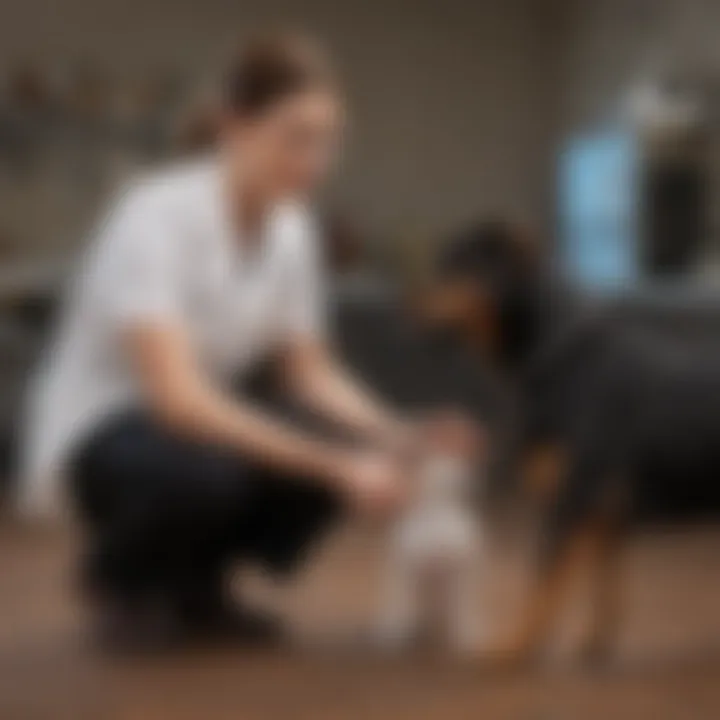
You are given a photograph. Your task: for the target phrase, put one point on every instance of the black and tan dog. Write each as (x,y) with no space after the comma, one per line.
(618,420)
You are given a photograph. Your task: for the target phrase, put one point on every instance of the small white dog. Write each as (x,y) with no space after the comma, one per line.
(433,560)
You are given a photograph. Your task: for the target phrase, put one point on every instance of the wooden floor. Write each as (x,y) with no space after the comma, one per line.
(668,663)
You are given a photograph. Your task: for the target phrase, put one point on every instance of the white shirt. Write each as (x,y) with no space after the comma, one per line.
(166,253)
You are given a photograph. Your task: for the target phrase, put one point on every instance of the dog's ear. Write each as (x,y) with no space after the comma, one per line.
(542,468)
(494,255)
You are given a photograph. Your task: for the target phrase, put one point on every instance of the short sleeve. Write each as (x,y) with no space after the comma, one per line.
(139,276)
(306,308)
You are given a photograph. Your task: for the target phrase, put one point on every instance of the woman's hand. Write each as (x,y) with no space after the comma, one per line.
(445,431)
(375,482)
(378,482)
(453,432)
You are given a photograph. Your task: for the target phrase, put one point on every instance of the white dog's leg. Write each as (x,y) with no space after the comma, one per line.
(400,612)
(463,621)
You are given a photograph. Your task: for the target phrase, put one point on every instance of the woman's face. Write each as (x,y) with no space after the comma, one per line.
(288,149)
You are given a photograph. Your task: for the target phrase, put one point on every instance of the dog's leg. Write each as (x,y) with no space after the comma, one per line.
(605,598)
(544,603)
(586,496)
(399,614)
(463,618)
(545,472)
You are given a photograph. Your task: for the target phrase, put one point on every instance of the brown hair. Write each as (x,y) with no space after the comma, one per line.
(272,67)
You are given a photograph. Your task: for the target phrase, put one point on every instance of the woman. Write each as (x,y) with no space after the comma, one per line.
(199,272)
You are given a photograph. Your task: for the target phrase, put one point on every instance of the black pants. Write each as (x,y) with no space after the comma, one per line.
(166,514)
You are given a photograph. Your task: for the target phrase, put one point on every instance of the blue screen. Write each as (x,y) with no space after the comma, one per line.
(599,209)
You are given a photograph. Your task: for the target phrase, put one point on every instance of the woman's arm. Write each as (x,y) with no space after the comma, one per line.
(320,382)
(181,398)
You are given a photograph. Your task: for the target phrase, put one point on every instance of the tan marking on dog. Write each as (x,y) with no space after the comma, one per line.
(542,469)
